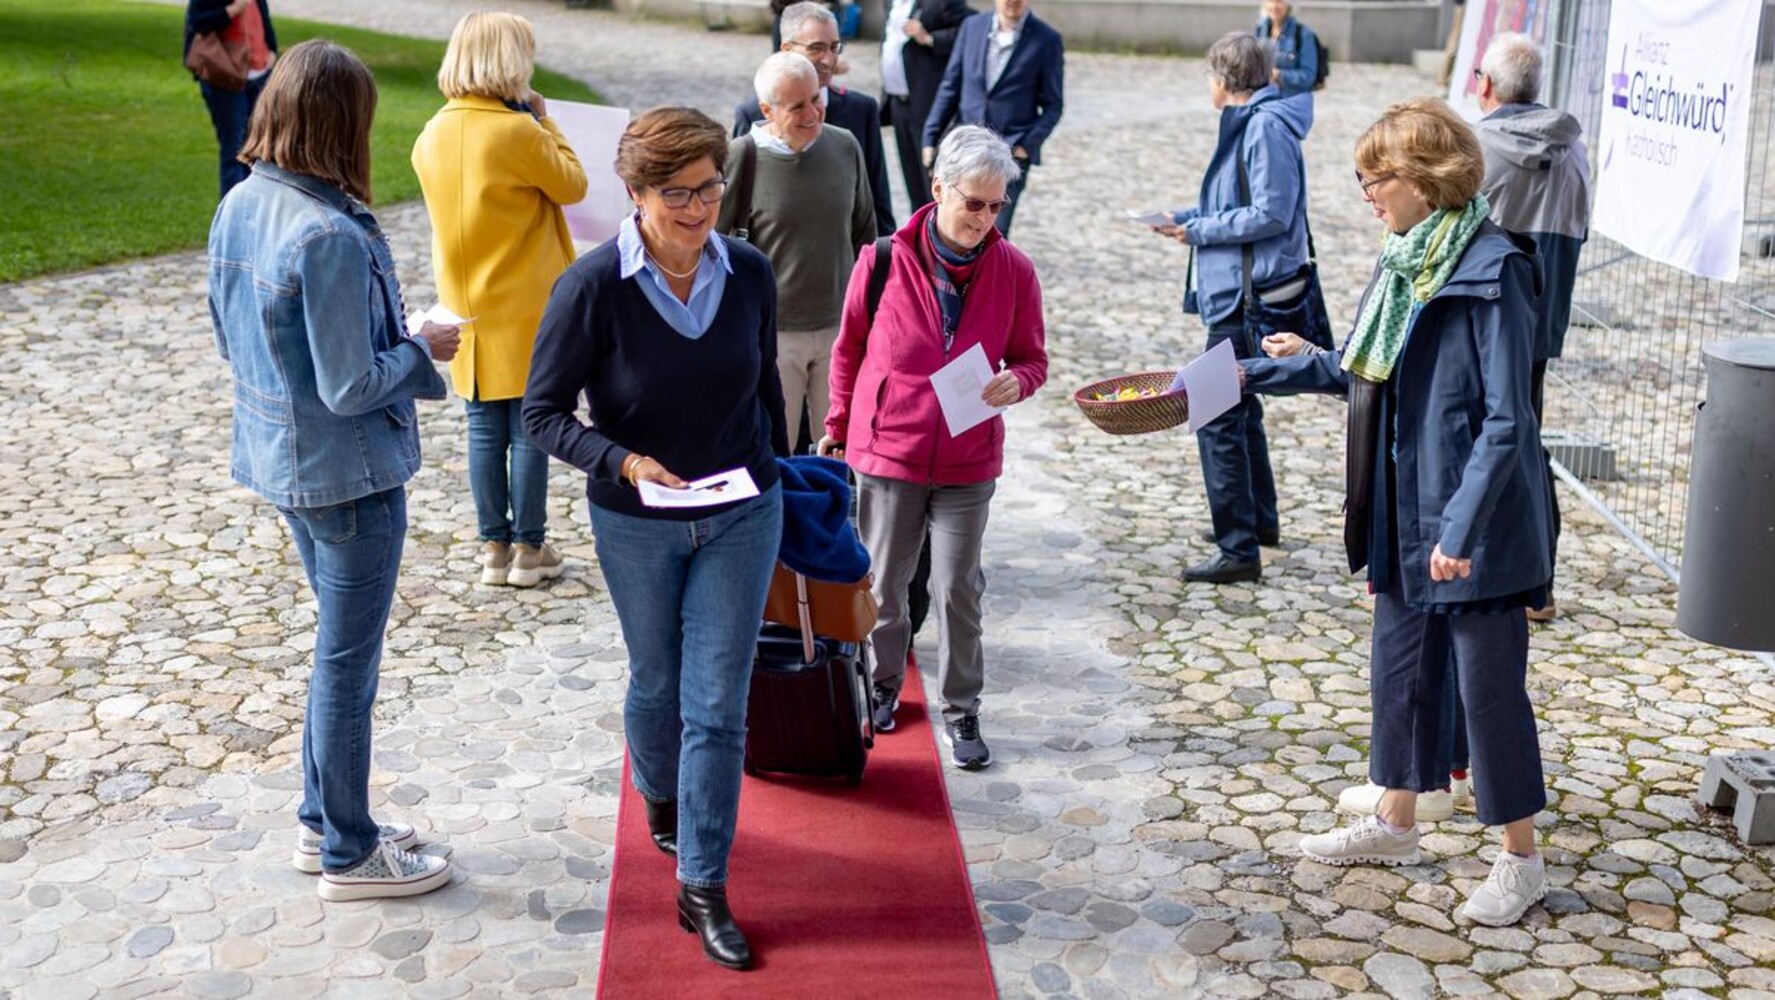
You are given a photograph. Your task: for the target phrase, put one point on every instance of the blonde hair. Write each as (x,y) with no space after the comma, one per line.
(1424,143)
(491,54)
(314,117)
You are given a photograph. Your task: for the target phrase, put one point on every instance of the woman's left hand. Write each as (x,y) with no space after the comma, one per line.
(1002,390)
(1178,233)
(1445,568)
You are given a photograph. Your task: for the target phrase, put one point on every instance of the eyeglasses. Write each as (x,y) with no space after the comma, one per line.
(708,194)
(1478,74)
(1368,186)
(981,204)
(818,50)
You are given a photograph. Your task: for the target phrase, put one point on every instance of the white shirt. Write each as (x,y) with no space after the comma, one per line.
(893,45)
(998,49)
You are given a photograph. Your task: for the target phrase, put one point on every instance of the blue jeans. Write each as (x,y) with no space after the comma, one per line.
(1236,462)
(508,475)
(690,595)
(229,114)
(352,554)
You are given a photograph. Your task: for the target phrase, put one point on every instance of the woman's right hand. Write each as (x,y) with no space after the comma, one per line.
(829,448)
(538,106)
(1284,345)
(650,470)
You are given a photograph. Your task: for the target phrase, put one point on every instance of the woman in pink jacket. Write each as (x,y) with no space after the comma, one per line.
(953,283)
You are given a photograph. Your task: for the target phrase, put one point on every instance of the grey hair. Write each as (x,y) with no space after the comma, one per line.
(798,14)
(1242,62)
(1513,63)
(974,152)
(768,81)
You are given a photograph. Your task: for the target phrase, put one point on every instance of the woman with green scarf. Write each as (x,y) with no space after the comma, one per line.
(1447,503)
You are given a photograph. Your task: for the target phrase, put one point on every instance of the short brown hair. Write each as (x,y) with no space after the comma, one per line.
(1424,143)
(314,117)
(491,54)
(660,142)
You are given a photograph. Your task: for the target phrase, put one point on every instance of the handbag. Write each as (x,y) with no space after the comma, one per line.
(1295,303)
(842,611)
(222,63)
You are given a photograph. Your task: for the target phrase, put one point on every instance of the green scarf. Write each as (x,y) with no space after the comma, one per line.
(1414,266)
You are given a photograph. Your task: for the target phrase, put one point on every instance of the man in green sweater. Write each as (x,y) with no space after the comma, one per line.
(810,211)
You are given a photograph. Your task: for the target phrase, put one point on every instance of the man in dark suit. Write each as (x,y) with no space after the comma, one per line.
(915,48)
(1006,73)
(810,30)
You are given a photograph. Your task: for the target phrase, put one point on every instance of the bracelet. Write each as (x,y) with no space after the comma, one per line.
(629,465)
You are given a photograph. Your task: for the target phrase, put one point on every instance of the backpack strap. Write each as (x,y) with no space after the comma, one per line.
(878,274)
(742,216)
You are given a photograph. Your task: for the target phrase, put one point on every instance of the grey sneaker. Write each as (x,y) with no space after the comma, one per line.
(533,564)
(307,856)
(496,563)
(967,750)
(386,873)
(887,702)
(1515,885)
(1365,842)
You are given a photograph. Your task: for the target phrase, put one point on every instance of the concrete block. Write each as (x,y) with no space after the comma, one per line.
(1583,457)
(1744,783)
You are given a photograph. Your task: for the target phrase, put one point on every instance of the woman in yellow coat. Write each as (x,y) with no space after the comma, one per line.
(496,170)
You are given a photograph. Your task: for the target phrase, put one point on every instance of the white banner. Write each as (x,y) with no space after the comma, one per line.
(1670,154)
(593,131)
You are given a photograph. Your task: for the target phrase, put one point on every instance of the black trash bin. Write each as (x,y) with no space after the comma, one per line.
(1727,597)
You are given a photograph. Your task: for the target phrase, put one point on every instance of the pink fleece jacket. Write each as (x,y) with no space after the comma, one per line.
(883,407)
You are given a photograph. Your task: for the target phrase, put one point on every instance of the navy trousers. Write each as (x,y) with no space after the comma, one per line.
(1013,191)
(1236,462)
(1408,683)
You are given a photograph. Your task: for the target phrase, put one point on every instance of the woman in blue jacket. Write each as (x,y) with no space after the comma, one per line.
(308,314)
(1446,495)
(1297,48)
(1248,232)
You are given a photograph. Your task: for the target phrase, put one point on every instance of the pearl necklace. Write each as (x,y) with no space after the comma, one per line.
(687,274)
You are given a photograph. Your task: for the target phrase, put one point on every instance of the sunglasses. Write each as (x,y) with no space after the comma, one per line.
(982,205)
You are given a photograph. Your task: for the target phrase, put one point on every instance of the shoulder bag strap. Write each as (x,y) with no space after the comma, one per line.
(742,217)
(1246,264)
(878,274)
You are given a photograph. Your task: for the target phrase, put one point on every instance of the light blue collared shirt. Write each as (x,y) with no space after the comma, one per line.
(690,319)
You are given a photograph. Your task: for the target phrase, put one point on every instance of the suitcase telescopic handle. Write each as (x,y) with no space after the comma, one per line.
(805,614)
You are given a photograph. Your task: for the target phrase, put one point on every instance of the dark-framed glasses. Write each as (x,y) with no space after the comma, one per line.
(1368,185)
(708,194)
(818,50)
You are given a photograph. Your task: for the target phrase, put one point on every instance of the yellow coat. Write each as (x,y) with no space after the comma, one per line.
(494,181)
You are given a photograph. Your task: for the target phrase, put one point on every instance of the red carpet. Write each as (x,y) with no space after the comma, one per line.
(842,892)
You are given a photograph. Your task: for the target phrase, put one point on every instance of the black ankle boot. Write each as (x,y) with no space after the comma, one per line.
(704,913)
(662,824)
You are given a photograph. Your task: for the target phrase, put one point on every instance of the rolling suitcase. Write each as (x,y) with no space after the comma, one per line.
(809,711)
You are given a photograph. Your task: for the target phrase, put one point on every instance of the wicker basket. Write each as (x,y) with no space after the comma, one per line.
(1134,416)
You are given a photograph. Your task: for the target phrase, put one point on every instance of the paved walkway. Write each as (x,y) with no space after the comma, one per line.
(1160,748)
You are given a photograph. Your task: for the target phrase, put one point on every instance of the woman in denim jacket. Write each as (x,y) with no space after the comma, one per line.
(308,314)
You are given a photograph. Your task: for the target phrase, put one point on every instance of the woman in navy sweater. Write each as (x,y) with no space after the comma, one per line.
(670,332)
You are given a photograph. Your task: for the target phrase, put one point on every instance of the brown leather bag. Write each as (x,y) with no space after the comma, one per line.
(221,63)
(842,611)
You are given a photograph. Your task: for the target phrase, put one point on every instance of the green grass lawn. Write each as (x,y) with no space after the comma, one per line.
(106,150)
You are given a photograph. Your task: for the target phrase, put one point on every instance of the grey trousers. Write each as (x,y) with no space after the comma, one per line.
(892,515)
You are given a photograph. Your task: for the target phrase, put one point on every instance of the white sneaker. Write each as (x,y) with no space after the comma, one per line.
(1364,842)
(1364,800)
(1515,885)
(1461,791)
(532,564)
(307,856)
(387,872)
(496,563)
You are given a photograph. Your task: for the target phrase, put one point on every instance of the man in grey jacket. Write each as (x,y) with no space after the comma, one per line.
(1537,178)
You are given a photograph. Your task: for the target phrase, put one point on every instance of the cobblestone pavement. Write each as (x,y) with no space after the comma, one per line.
(1159,747)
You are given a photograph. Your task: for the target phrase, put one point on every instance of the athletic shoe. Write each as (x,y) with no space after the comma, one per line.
(307,856)
(887,702)
(1462,789)
(534,564)
(1515,885)
(496,563)
(386,873)
(966,748)
(1364,800)
(1365,842)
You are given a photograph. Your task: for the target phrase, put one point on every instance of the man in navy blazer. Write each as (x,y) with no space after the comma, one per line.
(915,49)
(1006,73)
(810,30)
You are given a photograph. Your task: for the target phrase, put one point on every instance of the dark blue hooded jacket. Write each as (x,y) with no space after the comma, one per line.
(1469,474)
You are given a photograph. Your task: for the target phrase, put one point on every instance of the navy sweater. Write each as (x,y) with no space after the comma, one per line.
(698,407)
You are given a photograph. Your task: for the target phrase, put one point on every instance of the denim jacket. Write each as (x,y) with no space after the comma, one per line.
(308,313)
